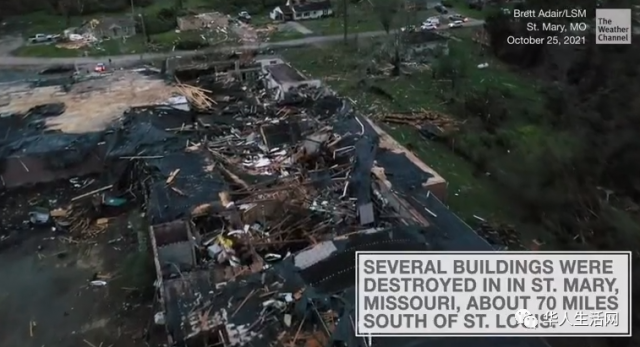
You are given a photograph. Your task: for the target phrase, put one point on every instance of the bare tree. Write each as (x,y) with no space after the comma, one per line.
(386,11)
(345,16)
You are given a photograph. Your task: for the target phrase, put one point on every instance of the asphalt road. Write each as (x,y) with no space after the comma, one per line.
(8,61)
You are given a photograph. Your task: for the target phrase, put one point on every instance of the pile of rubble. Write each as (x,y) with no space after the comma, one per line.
(429,123)
(257,207)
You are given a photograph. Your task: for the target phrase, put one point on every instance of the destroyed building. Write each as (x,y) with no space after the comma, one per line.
(422,42)
(256,203)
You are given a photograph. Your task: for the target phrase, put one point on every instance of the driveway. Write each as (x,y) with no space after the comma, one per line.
(9,44)
(299,28)
(133,58)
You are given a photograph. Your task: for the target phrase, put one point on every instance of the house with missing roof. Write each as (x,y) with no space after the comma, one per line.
(424,42)
(281,78)
(302,10)
(114,27)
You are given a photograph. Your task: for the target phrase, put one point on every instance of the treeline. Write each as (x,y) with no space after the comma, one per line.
(87,7)
(73,7)
(573,163)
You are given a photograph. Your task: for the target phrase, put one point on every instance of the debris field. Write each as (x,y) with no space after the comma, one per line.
(256,205)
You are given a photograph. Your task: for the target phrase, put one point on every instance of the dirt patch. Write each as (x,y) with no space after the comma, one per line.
(9,44)
(47,298)
(93,104)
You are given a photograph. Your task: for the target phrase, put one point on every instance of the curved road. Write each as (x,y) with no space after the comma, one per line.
(9,61)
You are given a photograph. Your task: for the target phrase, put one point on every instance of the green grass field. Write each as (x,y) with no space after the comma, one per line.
(362,17)
(470,193)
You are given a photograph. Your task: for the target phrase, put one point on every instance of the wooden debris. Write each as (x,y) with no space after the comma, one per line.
(172,176)
(92,192)
(225,198)
(501,234)
(32,325)
(180,192)
(444,123)
(196,96)
(58,213)
(102,221)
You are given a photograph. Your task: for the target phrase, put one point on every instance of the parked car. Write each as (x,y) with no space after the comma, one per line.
(40,38)
(476,4)
(446,3)
(441,9)
(455,17)
(432,20)
(428,26)
(244,16)
(455,24)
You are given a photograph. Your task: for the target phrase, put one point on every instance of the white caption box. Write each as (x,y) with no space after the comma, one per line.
(484,293)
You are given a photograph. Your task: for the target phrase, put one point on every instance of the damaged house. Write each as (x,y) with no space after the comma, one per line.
(424,42)
(281,79)
(111,27)
(302,10)
(256,200)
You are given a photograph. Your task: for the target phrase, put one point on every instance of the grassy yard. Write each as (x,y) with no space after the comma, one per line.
(132,45)
(46,22)
(470,192)
(461,6)
(362,17)
(285,35)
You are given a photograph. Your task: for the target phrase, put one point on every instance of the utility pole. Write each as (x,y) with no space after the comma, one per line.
(144,27)
(344,19)
(133,10)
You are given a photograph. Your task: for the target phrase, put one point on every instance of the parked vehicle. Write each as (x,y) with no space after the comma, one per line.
(432,20)
(455,24)
(441,9)
(446,3)
(41,38)
(428,26)
(455,17)
(244,16)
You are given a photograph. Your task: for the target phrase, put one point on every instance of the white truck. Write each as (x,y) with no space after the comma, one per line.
(40,38)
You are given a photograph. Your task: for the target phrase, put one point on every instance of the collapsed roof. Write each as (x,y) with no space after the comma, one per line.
(257,209)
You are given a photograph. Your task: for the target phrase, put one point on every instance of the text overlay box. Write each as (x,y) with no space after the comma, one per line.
(481,293)
(613,26)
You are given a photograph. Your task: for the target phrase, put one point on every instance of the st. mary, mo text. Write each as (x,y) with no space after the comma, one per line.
(490,293)
(403,294)
(438,292)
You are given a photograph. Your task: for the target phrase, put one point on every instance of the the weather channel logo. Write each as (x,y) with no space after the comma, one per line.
(493,294)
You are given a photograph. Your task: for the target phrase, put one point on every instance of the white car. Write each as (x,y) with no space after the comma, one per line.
(455,24)
(428,26)
(432,20)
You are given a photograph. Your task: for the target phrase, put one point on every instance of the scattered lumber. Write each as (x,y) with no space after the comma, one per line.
(443,122)
(196,96)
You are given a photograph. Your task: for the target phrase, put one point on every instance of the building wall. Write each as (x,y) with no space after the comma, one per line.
(27,170)
(276,13)
(312,14)
(439,47)
(172,244)
(121,32)
(179,254)
(281,88)
(269,61)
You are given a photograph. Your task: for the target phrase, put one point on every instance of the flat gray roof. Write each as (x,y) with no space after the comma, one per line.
(283,73)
